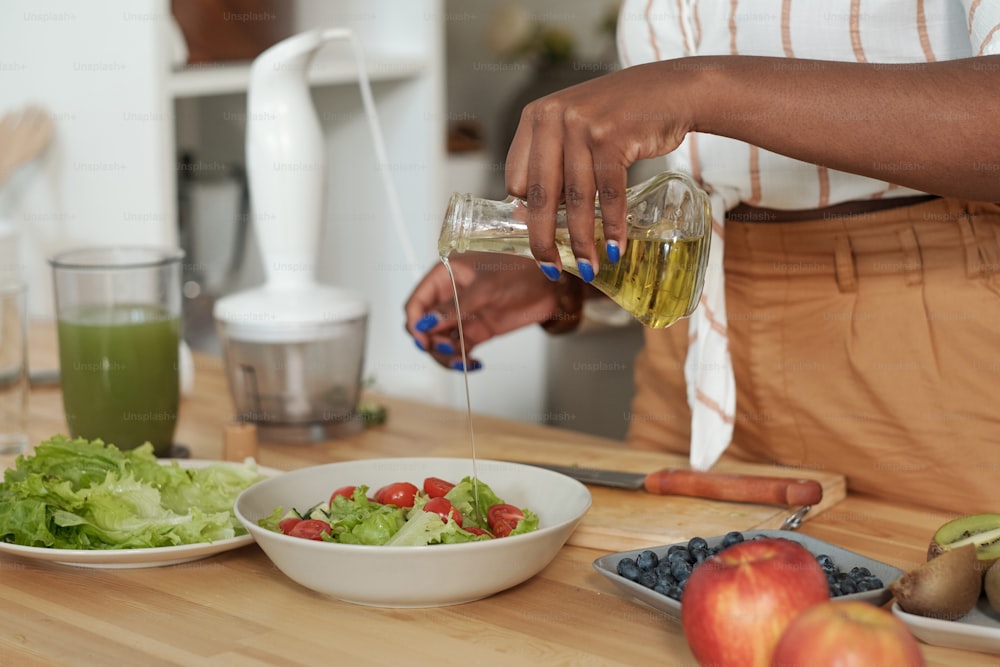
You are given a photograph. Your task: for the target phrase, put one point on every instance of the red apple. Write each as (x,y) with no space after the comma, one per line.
(847,634)
(737,603)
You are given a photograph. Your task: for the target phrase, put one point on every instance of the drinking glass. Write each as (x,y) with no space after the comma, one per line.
(118,312)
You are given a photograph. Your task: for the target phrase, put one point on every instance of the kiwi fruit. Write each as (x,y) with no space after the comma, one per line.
(982,530)
(991,584)
(946,587)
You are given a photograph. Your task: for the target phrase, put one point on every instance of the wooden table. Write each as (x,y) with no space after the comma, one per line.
(237,609)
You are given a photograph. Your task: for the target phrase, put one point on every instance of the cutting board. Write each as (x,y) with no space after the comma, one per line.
(621,520)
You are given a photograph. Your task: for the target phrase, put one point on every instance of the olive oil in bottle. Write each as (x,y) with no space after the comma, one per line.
(658,278)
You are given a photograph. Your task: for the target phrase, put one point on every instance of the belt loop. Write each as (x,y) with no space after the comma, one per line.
(973,266)
(843,260)
(913,267)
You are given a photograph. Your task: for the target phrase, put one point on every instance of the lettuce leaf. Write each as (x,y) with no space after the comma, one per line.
(463,497)
(80,494)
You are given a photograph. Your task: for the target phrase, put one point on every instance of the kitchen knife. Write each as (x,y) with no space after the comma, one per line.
(732,487)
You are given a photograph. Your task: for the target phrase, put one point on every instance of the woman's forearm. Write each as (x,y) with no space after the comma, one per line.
(929,126)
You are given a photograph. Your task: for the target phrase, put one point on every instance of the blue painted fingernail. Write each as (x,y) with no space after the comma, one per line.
(426,323)
(586,270)
(420,346)
(614,252)
(444,347)
(550,270)
(474,365)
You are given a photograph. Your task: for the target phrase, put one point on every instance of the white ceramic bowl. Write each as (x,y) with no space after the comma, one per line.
(423,576)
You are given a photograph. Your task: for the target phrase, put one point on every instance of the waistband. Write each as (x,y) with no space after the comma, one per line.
(908,240)
(748,213)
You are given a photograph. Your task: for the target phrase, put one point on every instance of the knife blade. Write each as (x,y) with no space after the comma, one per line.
(732,487)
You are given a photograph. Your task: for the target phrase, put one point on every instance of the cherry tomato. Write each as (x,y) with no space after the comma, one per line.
(286,524)
(503,518)
(346,491)
(444,508)
(435,487)
(400,494)
(310,529)
(475,530)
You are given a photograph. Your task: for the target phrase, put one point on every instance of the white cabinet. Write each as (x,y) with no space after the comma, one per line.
(122,115)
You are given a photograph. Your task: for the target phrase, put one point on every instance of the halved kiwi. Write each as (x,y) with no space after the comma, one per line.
(981,530)
(946,587)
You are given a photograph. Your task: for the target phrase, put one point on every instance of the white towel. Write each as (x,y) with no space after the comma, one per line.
(708,370)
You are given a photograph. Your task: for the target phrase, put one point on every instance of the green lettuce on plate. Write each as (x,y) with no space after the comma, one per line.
(80,494)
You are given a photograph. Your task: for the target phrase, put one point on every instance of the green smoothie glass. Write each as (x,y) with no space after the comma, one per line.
(118,311)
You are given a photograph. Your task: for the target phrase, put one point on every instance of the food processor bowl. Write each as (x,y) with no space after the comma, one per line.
(294,361)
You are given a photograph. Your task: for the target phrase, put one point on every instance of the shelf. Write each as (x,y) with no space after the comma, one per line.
(229,78)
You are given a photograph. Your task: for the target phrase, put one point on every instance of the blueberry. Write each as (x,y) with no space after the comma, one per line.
(675,549)
(628,569)
(700,554)
(663,588)
(647,578)
(697,543)
(861,572)
(731,538)
(647,560)
(681,554)
(848,586)
(680,570)
(875,582)
(826,563)
(675,592)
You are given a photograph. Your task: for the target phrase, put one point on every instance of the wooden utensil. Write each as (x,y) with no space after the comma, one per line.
(24,135)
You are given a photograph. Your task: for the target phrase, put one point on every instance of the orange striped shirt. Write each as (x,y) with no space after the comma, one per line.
(871,31)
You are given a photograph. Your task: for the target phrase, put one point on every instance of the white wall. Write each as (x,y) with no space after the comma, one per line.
(102,179)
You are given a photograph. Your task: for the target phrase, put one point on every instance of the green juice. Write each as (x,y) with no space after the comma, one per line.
(119,374)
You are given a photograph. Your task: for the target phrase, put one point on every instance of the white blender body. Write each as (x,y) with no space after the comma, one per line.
(293,348)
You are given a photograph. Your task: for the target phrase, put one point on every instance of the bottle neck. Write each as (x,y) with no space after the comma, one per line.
(473,223)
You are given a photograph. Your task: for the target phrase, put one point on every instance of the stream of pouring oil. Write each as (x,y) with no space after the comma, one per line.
(468,399)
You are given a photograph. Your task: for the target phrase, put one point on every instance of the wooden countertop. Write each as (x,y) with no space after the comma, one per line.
(235,608)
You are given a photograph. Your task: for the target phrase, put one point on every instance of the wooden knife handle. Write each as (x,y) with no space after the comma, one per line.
(735,487)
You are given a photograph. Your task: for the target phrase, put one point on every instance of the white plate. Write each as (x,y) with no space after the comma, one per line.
(136,558)
(979,630)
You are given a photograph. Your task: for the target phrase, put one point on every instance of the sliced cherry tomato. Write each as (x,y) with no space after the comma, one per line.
(286,524)
(435,487)
(475,530)
(400,494)
(444,508)
(310,529)
(503,518)
(346,491)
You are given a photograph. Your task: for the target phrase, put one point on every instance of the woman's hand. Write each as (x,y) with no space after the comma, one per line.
(496,293)
(579,142)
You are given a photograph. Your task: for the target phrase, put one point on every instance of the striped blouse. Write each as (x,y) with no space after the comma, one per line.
(867,31)
(873,31)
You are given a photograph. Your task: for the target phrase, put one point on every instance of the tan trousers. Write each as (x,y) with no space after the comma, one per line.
(867,345)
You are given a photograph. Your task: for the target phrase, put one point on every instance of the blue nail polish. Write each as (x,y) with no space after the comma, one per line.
(474,365)
(550,270)
(444,347)
(426,323)
(586,270)
(614,252)
(420,346)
